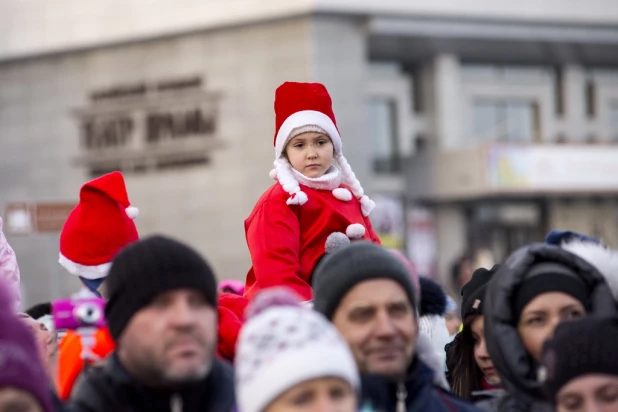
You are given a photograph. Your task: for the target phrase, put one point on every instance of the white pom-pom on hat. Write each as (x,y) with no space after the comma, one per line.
(336,241)
(355,231)
(132,212)
(342,194)
(273,174)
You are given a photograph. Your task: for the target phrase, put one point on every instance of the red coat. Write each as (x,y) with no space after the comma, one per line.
(286,241)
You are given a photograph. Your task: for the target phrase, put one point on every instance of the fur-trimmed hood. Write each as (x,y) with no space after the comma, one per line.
(601,257)
(510,358)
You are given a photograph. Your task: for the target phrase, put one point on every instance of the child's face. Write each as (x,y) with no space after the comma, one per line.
(310,153)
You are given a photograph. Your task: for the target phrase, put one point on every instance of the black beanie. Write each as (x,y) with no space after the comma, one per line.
(340,271)
(39,310)
(473,292)
(549,277)
(579,347)
(147,268)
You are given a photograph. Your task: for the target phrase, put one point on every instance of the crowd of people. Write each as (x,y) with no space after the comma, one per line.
(327,320)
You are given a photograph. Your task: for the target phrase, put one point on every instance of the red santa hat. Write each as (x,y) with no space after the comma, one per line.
(98,228)
(301,108)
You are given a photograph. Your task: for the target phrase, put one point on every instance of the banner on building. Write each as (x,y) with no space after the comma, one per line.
(553,167)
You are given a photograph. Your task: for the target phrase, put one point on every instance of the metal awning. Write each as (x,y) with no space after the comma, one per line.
(414,39)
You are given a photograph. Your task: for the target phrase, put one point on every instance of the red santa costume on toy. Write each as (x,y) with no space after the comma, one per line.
(299,218)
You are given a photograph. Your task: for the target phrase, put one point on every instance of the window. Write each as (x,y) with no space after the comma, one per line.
(504,120)
(383,131)
(590,99)
(613,121)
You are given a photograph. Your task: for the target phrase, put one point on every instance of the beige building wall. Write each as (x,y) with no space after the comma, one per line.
(203,205)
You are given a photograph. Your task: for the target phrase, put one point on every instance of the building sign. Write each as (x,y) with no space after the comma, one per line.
(146,126)
(553,167)
(23,218)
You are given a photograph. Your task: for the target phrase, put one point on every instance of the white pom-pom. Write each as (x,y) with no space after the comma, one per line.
(298,198)
(336,241)
(367,205)
(342,194)
(273,174)
(355,231)
(132,212)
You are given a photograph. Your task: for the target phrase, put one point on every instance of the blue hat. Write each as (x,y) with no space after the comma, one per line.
(557,237)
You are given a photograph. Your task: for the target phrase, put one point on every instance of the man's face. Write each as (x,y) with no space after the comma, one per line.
(171,341)
(377,320)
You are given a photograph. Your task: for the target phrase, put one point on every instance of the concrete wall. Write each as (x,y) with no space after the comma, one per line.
(204,205)
(34,27)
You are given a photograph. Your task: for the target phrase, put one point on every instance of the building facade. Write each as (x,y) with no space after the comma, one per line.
(476,128)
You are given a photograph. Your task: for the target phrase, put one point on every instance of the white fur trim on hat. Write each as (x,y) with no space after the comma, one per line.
(605,260)
(306,118)
(342,194)
(355,231)
(88,272)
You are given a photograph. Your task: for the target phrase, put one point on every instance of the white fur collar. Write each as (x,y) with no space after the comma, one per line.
(604,259)
(328,181)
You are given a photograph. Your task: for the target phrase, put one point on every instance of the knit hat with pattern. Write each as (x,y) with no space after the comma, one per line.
(283,344)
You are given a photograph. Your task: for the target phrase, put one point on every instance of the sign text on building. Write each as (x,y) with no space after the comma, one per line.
(149,126)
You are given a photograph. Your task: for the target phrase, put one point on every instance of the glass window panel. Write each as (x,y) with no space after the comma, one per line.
(383,133)
(503,120)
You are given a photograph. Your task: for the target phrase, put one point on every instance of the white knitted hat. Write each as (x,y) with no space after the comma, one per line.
(283,344)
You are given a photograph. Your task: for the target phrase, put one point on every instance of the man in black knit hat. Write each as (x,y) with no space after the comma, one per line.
(162,315)
(367,293)
(580,365)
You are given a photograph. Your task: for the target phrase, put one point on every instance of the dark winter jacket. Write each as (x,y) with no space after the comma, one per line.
(516,368)
(110,388)
(418,390)
(487,400)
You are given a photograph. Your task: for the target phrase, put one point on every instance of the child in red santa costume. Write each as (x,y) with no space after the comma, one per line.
(317,202)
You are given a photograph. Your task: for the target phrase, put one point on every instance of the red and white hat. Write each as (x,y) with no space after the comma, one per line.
(301,108)
(98,228)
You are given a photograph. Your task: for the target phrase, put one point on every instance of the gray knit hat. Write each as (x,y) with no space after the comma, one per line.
(339,272)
